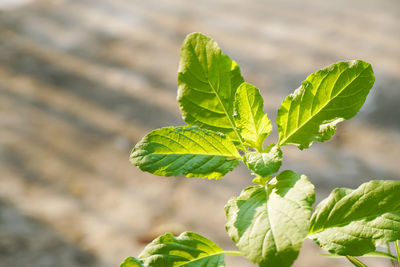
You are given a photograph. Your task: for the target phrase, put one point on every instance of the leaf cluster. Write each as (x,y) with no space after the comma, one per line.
(226,124)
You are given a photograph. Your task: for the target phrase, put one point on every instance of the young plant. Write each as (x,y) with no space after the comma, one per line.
(269,220)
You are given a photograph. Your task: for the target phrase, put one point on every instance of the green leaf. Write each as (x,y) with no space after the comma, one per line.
(253,123)
(360,237)
(325,98)
(354,222)
(188,249)
(132,262)
(264,164)
(207,82)
(190,151)
(269,223)
(344,205)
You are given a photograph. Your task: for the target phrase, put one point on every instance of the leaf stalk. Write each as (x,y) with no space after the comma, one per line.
(232,252)
(356,262)
(390,252)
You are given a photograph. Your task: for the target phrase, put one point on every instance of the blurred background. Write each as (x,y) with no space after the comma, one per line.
(82,81)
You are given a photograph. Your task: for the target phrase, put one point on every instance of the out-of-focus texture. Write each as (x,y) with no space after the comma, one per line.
(82,81)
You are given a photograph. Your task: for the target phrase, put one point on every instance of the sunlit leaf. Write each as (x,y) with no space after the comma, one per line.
(269,223)
(188,250)
(252,122)
(132,262)
(207,82)
(190,151)
(325,98)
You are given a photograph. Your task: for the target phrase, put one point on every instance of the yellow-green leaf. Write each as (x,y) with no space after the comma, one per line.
(187,250)
(190,151)
(132,262)
(252,122)
(325,98)
(207,82)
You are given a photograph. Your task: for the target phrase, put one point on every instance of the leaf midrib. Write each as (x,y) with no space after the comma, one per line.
(327,103)
(216,94)
(202,154)
(251,113)
(188,149)
(227,115)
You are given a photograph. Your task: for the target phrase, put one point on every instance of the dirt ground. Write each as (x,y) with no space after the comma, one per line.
(82,81)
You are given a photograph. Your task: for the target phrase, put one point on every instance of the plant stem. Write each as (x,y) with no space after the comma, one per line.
(270,180)
(356,262)
(230,252)
(388,250)
(377,254)
(398,251)
(259,147)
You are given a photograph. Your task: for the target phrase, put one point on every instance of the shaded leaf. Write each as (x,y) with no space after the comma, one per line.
(360,237)
(324,99)
(190,151)
(354,222)
(264,164)
(269,223)
(344,205)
